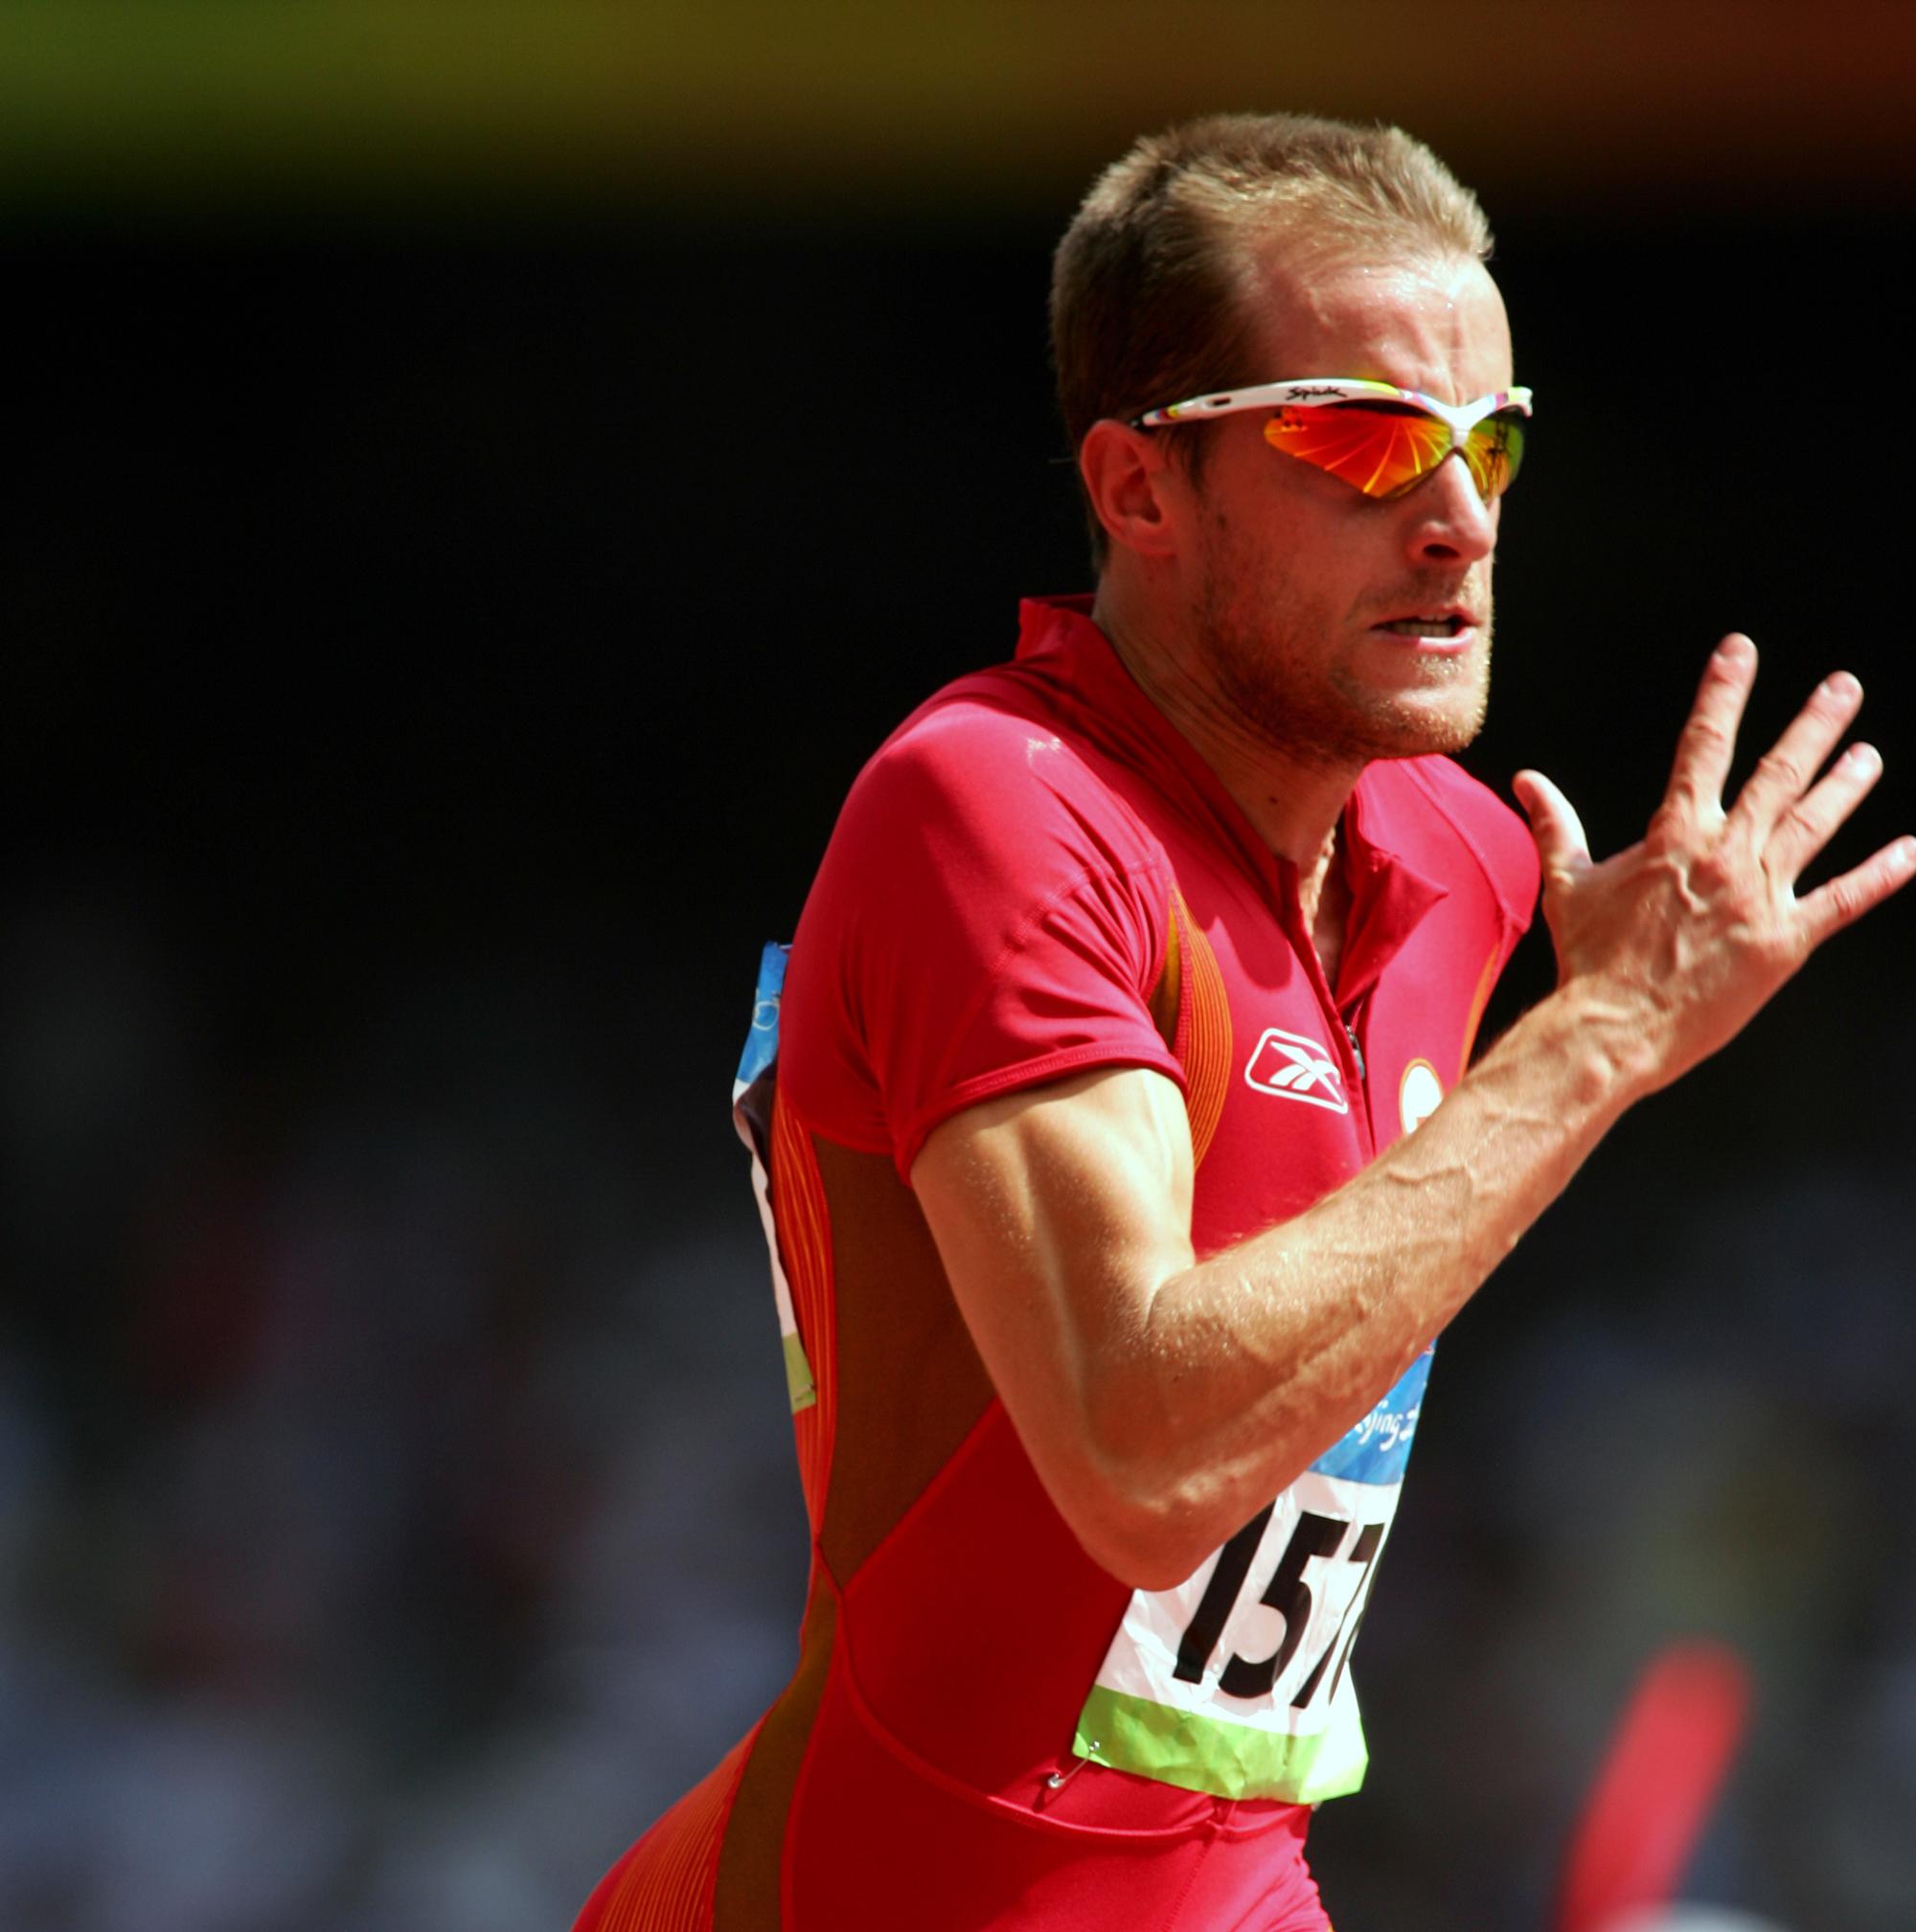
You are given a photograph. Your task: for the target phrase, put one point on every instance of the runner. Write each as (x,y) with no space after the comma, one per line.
(1111,1111)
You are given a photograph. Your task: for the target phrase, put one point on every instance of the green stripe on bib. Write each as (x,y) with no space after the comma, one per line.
(1223,1759)
(798,1382)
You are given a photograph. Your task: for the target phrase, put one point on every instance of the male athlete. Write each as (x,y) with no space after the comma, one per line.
(1123,1161)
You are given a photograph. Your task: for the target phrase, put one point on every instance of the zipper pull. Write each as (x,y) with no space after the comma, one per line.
(1357,1052)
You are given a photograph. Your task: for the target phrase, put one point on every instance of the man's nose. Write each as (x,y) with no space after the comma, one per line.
(1452,523)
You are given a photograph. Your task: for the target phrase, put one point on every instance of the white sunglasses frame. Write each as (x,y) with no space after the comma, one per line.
(1316,392)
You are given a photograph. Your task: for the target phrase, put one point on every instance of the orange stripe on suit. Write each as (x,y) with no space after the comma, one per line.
(1203,1034)
(664,1883)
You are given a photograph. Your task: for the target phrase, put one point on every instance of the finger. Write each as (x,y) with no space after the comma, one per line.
(1844,900)
(1554,824)
(1708,739)
(1785,771)
(1808,826)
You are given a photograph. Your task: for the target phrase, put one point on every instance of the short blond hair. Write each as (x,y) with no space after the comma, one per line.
(1151,285)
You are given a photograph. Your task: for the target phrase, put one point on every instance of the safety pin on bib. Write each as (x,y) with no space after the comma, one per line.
(1059,1779)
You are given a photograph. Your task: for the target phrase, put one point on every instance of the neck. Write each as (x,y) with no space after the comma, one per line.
(1295,807)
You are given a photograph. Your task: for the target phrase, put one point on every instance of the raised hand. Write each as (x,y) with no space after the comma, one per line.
(1686,934)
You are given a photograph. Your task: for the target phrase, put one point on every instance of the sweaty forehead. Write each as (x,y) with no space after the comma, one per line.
(1436,324)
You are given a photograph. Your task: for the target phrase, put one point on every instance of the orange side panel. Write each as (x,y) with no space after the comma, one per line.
(1479,1000)
(804,1225)
(1205,1035)
(664,1883)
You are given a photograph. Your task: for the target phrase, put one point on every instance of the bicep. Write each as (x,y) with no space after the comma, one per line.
(1058,1212)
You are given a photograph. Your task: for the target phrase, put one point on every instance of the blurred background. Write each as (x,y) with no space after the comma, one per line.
(485,476)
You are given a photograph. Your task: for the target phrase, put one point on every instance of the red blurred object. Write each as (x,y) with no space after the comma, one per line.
(1654,1790)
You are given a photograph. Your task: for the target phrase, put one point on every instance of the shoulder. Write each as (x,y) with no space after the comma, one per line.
(1455,827)
(990,914)
(987,773)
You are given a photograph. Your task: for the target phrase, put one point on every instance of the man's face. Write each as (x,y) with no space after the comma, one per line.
(1340,627)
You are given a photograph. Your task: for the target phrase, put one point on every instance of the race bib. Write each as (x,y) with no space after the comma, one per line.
(752,1116)
(1236,1683)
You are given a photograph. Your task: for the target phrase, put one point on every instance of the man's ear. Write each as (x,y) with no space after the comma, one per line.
(1130,480)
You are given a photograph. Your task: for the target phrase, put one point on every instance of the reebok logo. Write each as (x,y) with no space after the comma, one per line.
(1296,1068)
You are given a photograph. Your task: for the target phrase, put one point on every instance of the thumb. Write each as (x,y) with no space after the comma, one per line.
(1554,824)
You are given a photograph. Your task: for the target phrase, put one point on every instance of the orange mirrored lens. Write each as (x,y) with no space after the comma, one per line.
(1384,449)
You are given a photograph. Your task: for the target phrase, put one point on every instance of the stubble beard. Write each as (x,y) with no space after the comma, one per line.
(1268,666)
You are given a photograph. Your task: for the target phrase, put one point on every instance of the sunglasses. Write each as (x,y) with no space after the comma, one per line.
(1380,440)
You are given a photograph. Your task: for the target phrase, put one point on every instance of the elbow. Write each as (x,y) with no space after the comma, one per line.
(1152,1500)
(1143,1512)
(1145,1545)
(1153,1568)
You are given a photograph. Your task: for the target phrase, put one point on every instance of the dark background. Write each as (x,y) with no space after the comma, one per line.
(447,594)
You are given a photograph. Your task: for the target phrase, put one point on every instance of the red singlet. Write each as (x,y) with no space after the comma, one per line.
(1037,874)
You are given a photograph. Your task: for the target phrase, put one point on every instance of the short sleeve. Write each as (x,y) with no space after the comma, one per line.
(989,916)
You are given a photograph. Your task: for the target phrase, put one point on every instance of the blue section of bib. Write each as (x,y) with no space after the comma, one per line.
(1379,1447)
(762,1042)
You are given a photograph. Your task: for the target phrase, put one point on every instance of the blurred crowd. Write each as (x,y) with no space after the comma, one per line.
(391,1513)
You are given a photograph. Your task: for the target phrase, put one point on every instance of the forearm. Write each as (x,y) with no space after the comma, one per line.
(1164,1401)
(1247,1365)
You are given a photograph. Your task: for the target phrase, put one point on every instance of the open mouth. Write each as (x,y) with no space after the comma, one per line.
(1451,625)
